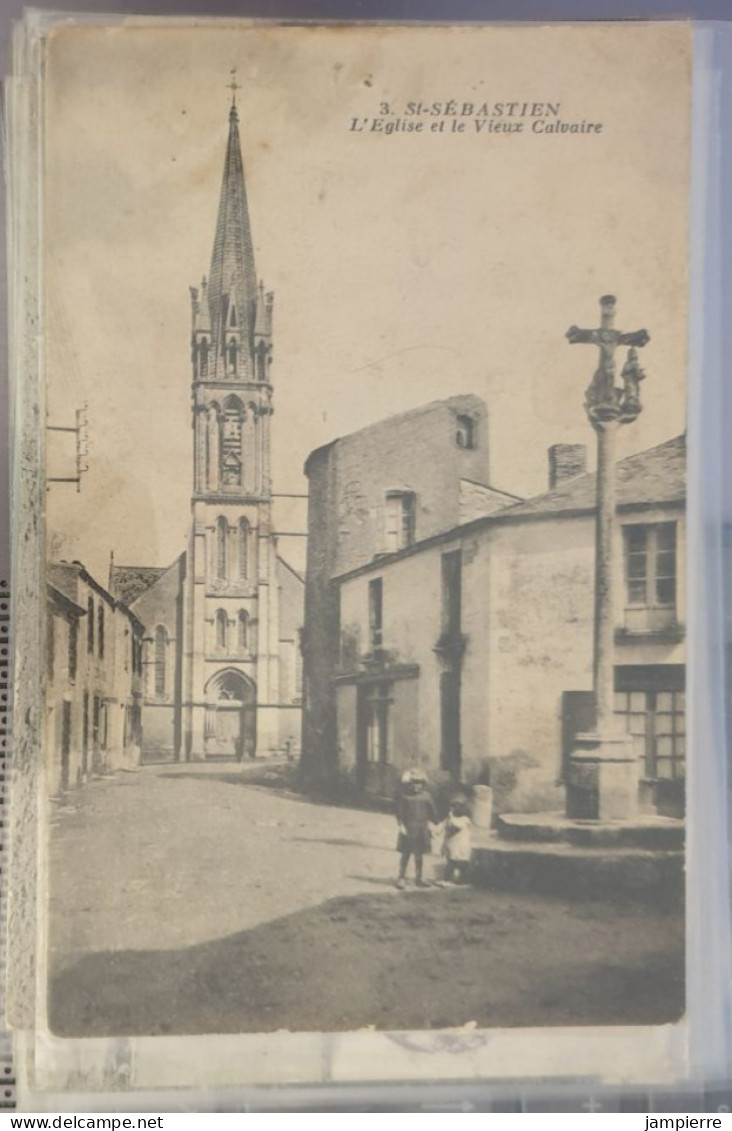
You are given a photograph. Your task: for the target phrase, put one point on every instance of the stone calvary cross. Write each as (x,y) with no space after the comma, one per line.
(602,400)
(603,773)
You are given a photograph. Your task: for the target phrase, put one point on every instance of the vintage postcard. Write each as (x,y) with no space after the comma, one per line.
(363,720)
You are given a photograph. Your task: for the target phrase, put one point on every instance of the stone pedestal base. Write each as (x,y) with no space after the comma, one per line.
(603,778)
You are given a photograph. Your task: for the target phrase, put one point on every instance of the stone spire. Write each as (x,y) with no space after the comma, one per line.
(232,281)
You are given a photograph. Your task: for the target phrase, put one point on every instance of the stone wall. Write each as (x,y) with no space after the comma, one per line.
(105,687)
(417,452)
(160,605)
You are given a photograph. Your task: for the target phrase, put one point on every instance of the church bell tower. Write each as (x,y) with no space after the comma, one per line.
(231,648)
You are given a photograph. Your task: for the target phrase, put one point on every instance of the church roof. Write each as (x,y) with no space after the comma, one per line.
(295,572)
(129,582)
(203,321)
(66,576)
(61,600)
(232,279)
(656,476)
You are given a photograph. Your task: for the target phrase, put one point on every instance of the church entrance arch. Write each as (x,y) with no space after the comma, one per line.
(230,728)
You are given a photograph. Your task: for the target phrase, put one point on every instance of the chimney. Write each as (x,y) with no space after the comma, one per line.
(565,462)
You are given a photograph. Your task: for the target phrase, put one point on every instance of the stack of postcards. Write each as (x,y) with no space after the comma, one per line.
(369,599)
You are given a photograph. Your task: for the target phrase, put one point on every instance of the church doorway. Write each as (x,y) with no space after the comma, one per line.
(230,726)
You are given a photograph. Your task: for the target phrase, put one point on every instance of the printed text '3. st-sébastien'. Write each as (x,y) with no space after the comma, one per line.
(460,116)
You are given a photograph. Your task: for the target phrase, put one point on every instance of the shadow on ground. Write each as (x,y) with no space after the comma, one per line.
(336,842)
(415,960)
(252,775)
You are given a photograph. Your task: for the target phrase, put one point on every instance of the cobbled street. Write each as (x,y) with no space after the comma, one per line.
(189,899)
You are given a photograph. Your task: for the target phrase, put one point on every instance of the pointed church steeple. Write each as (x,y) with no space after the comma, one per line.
(232,280)
(231,351)
(229,648)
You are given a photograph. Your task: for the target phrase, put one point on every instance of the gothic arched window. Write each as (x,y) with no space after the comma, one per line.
(213,446)
(243,622)
(232,356)
(262,362)
(222,538)
(161,662)
(231,451)
(203,355)
(231,470)
(243,548)
(222,629)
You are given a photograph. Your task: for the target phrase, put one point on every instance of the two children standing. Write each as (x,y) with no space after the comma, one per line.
(417,820)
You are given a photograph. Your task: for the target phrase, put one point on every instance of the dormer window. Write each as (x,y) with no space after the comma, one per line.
(465,432)
(232,316)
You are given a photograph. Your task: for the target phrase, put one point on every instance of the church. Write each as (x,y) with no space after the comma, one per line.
(221,654)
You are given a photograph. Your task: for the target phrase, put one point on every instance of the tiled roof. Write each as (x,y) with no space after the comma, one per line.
(64,576)
(62,600)
(655,476)
(128,582)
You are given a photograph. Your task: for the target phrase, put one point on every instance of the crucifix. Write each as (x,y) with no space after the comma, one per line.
(233,86)
(603,774)
(603,400)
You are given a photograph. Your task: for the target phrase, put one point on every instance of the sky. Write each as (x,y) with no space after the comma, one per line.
(406,266)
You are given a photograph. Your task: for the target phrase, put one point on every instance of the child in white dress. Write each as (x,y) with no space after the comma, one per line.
(457,845)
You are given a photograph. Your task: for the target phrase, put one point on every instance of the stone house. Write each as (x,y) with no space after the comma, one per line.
(465,643)
(93,679)
(389,486)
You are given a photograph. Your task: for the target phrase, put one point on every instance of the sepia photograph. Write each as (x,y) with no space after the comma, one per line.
(365,456)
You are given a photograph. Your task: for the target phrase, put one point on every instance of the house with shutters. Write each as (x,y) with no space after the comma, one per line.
(450,624)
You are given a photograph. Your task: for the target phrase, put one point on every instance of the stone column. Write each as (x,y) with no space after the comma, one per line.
(604,639)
